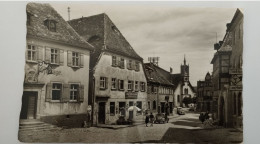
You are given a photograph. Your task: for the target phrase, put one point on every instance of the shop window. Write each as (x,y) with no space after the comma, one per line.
(139,105)
(56,91)
(112,108)
(122,108)
(74,92)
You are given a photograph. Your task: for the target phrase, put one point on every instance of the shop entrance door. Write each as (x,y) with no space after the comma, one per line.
(101,112)
(131,113)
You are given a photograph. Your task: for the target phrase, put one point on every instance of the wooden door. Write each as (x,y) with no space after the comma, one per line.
(101,112)
(29,105)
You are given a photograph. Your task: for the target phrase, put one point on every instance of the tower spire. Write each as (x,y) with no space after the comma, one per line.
(184,60)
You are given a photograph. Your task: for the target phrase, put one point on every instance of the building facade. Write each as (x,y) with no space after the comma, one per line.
(183,87)
(118,79)
(205,94)
(56,69)
(227,74)
(159,89)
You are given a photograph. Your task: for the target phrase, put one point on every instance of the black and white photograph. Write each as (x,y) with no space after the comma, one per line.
(132,73)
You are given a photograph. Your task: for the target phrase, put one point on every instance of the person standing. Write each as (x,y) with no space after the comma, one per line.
(146,119)
(151,119)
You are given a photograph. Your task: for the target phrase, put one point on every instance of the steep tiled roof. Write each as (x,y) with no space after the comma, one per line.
(176,79)
(64,32)
(100,31)
(157,75)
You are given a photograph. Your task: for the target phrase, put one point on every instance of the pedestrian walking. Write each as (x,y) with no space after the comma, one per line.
(146,119)
(151,119)
(202,117)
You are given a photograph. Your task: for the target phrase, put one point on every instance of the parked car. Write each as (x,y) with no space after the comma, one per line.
(180,111)
(159,118)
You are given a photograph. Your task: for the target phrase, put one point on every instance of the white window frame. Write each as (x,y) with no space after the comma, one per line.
(75,59)
(32,51)
(113,83)
(74,90)
(54,56)
(52,100)
(102,82)
(130,85)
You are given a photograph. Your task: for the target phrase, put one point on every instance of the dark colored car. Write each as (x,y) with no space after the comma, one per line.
(159,118)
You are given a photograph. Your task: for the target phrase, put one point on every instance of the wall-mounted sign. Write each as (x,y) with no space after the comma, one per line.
(31,76)
(131,95)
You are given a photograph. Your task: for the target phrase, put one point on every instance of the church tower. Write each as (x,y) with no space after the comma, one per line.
(185,70)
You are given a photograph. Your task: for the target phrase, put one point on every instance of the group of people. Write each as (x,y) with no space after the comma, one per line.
(149,118)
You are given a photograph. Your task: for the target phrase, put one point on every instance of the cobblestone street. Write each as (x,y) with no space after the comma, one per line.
(180,129)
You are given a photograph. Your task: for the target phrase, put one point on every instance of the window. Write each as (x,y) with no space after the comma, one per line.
(122,63)
(129,65)
(137,66)
(136,85)
(155,90)
(130,85)
(112,108)
(142,86)
(54,56)
(178,98)
(121,84)
(31,53)
(75,59)
(51,25)
(102,82)
(74,92)
(154,105)
(56,91)
(114,61)
(113,83)
(149,105)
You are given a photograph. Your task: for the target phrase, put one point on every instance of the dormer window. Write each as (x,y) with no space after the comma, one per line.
(50,24)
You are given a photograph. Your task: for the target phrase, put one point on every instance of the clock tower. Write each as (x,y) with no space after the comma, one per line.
(185,71)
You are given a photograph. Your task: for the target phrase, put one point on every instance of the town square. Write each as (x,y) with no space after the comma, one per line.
(175,77)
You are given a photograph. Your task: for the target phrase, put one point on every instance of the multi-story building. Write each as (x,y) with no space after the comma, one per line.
(56,70)
(118,79)
(227,73)
(183,87)
(205,94)
(159,89)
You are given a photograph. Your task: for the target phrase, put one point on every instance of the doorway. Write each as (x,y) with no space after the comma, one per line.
(101,112)
(131,113)
(29,105)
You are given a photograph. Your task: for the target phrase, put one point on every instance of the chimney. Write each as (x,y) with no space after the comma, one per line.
(170,70)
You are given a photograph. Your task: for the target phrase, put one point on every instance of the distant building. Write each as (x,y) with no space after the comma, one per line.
(56,69)
(227,73)
(117,75)
(183,87)
(205,94)
(159,89)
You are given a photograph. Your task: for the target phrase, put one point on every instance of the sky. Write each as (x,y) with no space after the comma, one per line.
(163,30)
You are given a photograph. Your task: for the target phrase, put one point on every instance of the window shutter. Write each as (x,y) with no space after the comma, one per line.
(48,55)
(122,64)
(138,66)
(39,54)
(106,82)
(66,93)
(118,83)
(81,60)
(69,60)
(128,64)
(81,93)
(118,61)
(48,92)
(61,57)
